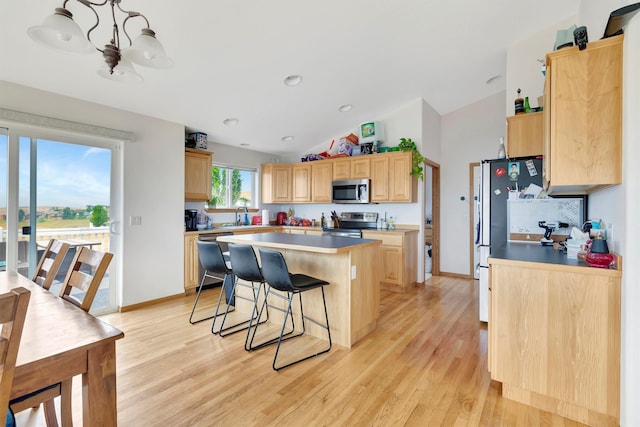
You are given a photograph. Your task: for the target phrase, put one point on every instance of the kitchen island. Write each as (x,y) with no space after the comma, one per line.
(554,332)
(351,266)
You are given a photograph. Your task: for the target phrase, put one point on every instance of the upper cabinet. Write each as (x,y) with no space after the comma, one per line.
(351,168)
(321,177)
(310,182)
(197,174)
(525,135)
(276,183)
(391,179)
(583,117)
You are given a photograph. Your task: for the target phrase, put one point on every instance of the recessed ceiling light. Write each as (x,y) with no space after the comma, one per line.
(344,108)
(493,79)
(293,80)
(231,121)
(286,138)
(244,144)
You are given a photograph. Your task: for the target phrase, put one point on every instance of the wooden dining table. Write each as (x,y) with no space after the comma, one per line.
(60,341)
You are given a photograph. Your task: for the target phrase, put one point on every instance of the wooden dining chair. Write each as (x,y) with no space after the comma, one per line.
(85,274)
(50,263)
(13,309)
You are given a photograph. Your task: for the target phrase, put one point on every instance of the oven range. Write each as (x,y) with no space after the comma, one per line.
(352,224)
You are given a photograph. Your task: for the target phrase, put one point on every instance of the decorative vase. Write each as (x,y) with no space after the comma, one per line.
(600,260)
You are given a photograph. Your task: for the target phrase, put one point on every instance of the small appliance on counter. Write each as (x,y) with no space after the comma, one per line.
(281,218)
(190,219)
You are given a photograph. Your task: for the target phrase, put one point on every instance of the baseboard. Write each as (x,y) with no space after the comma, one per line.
(457,275)
(150,302)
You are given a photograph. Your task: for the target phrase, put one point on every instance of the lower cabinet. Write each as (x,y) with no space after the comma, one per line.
(554,338)
(399,258)
(191,263)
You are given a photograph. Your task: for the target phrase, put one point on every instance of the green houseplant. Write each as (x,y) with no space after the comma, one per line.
(407,144)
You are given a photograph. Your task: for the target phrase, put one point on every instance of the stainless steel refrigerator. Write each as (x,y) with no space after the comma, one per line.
(499,178)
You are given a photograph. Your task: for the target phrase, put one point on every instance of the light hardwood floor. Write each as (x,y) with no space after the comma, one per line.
(425,365)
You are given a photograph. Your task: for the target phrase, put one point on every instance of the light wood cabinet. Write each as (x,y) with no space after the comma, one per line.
(301,175)
(554,338)
(583,117)
(321,177)
(351,168)
(197,174)
(276,183)
(399,258)
(525,135)
(191,263)
(391,179)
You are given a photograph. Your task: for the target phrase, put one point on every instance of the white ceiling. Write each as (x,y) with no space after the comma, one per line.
(231,58)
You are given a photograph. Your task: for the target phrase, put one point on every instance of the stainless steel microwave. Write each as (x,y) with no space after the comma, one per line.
(350,191)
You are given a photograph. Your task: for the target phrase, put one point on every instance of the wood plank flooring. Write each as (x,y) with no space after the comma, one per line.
(424,365)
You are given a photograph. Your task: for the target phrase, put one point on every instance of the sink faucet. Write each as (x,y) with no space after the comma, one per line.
(238,218)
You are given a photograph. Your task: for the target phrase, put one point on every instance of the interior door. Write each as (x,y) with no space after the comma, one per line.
(64,187)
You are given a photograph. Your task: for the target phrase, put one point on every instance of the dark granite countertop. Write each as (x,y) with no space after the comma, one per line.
(536,253)
(303,242)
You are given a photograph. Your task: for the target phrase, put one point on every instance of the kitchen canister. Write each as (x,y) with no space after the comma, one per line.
(265,217)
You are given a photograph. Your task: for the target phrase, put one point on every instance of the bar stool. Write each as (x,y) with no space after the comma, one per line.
(245,267)
(277,276)
(215,267)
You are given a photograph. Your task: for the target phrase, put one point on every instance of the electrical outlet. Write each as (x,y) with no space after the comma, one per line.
(135,220)
(610,233)
(353,272)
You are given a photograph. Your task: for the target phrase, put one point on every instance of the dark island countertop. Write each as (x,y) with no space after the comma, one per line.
(536,253)
(302,242)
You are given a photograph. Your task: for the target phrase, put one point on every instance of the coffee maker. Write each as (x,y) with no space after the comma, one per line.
(190,219)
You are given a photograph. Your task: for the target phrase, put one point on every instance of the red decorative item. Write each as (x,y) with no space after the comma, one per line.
(500,171)
(599,260)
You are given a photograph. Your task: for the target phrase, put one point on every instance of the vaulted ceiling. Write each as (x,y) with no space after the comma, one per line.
(231,59)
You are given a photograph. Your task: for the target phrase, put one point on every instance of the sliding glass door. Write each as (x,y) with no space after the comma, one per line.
(65,187)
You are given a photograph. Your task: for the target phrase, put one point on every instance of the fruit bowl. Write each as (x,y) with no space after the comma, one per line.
(599,260)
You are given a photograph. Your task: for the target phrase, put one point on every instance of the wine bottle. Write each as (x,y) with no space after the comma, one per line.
(519,104)
(527,108)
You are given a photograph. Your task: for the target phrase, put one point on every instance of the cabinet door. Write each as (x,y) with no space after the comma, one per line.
(392,264)
(586,114)
(341,169)
(401,182)
(524,135)
(301,183)
(360,167)
(191,263)
(281,183)
(197,175)
(379,178)
(321,177)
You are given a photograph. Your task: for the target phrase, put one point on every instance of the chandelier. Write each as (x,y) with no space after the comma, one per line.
(59,31)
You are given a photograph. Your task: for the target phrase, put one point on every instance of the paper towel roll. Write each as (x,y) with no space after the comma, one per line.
(265,217)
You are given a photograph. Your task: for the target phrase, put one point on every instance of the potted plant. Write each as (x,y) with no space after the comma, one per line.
(407,144)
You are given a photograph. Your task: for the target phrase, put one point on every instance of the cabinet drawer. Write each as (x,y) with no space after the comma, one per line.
(387,238)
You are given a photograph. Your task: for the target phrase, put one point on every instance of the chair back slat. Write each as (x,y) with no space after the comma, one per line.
(50,263)
(13,310)
(85,274)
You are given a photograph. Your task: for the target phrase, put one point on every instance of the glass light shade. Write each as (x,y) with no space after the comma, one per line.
(147,51)
(123,73)
(61,32)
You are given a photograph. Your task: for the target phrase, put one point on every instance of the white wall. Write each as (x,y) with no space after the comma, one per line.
(153,181)
(523,68)
(620,205)
(468,135)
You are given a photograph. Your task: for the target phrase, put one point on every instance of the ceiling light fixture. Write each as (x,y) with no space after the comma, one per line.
(286,138)
(59,31)
(293,80)
(344,108)
(232,121)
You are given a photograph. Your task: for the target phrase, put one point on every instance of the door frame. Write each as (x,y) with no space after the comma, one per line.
(472,205)
(435,216)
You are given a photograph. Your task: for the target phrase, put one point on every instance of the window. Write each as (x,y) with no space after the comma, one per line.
(231,188)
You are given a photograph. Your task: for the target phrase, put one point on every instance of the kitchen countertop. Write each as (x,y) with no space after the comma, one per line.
(302,242)
(285,227)
(536,253)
